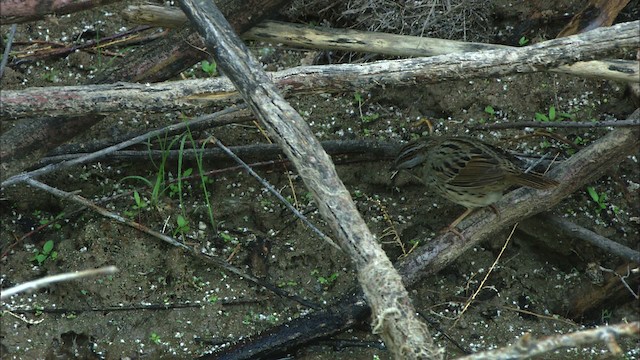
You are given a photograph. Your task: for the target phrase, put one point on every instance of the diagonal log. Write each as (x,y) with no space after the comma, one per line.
(395,318)
(585,166)
(191,94)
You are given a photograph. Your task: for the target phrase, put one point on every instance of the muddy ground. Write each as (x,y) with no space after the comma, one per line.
(531,290)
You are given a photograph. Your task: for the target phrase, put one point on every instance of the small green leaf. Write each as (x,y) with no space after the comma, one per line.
(370,118)
(552,113)
(565,115)
(48,246)
(523,41)
(40,258)
(593,193)
(541,117)
(490,110)
(136,197)
(187,172)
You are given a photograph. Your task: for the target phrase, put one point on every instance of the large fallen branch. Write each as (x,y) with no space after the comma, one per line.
(395,318)
(164,60)
(183,95)
(316,37)
(585,166)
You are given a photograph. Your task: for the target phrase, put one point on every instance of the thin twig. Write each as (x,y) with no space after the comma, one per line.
(7,49)
(275,192)
(98,154)
(574,230)
(557,124)
(377,149)
(91,45)
(481,286)
(48,280)
(168,239)
(527,347)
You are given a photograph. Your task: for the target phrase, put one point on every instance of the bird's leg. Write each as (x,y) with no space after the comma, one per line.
(495,210)
(460,218)
(452,227)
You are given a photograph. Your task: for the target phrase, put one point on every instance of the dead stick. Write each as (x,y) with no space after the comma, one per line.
(556,124)
(574,230)
(395,318)
(587,165)
(190,94)
(167,239)
(98,154)
(315,37)
(527,347)
(15,12)
(374,149)
(426,260)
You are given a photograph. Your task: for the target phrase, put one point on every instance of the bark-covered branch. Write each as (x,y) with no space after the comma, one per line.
(316,37)
(20,11)
(394,316)
(585,166)
(190,94)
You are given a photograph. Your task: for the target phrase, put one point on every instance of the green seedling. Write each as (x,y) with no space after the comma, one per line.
(51,221)
(553,115)
(139,204)
(51,76)
(204,180)
(287,283)
(599,198)
(490,110)
(523,41)
(182,226)
(308,197)
(370,118)
(211,68)
(364,118)
(226,237)
(327,281)
(155,338)
(46,253)
(176,188)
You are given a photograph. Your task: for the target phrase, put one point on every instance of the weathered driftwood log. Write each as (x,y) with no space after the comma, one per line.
(395,318)
(315,37)
(189,94)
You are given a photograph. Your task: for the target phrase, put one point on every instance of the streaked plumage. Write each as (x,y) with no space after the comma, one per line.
(465,170)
